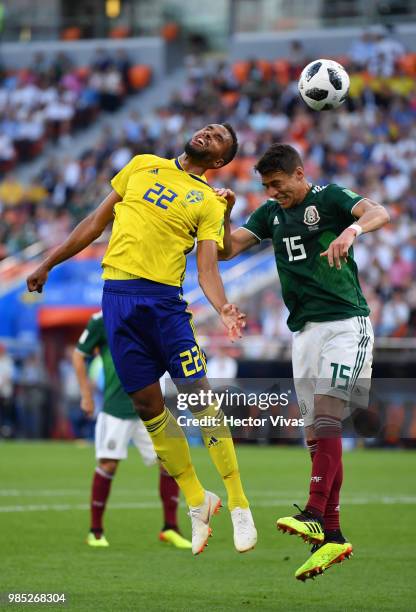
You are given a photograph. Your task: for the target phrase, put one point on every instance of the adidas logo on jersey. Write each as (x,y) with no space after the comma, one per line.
(154,171)
(275,221)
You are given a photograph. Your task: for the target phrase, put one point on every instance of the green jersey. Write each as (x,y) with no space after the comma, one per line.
(311,290)
(116,401)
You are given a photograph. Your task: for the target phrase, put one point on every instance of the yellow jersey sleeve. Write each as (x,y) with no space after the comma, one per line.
(120,180)
(211,223)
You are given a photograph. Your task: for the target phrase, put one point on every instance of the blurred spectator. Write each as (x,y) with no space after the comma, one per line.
(400,272)
(273,315)
(362,50)
(7,152)
(395,316)
(52,98)
(31,397)
(396,184)
(11,191)
(101,60)
(123,64)
(109,85)
(386,53)
(221,366)
(367,145)
(297,59)
(81,426)
(7,416)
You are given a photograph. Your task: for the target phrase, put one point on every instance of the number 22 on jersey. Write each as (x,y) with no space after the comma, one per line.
(158,194)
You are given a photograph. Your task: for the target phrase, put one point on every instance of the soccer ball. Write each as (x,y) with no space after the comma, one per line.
(324,84)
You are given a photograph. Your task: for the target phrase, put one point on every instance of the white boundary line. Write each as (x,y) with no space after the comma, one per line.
(261,503)
(138,490)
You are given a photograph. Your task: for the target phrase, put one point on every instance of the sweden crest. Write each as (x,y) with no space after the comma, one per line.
(194,196)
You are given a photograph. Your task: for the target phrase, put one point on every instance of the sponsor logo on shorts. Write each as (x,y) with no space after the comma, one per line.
(111,444)
(303,408)
(316,478)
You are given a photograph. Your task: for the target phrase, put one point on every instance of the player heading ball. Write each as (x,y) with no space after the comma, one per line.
(313,228)
(158,208)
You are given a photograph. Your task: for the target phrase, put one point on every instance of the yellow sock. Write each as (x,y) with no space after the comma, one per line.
(172,449)
(220,445)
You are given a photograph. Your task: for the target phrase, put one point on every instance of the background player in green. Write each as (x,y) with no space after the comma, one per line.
(117,424)
(312,229)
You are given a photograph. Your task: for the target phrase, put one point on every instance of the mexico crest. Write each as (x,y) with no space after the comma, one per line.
(311,216)
(194,196)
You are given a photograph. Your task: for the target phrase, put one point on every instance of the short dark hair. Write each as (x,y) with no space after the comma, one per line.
(234,147)
(279,158)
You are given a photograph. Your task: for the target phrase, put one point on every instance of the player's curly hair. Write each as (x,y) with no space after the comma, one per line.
(279,158)
(234,147)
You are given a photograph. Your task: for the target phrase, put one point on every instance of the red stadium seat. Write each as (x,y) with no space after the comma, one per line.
(230,98)
(225,173)
(265,68)
(245,167)
(281,70)
(344,60)
(407,64)
(83,72)
(170,32)
(120,32)
(240,70)
(412,427)
(139,76)
(395,415)
(71,33)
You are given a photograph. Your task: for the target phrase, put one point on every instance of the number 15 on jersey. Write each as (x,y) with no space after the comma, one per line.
(295,248)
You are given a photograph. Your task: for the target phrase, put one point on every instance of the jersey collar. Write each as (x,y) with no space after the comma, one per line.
(194,176)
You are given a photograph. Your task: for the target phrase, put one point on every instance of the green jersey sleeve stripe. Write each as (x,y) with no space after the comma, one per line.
(356,205)
(251,232)
(83,352)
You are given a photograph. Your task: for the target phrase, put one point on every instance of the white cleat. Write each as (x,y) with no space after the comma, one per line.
(200,518)
(245,533)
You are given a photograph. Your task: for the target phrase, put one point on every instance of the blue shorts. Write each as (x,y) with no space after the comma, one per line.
(149,331)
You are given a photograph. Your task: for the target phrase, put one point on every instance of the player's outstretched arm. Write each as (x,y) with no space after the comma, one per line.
(87,396)
(370,217)
(238,241)
(211,283)
(88,230)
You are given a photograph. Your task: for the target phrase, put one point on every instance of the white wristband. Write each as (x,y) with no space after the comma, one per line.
(357,229)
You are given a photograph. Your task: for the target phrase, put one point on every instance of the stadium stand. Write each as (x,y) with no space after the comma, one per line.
(53,98)
(368,145)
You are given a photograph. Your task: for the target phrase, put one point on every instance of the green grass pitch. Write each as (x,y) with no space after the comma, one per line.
(44,490)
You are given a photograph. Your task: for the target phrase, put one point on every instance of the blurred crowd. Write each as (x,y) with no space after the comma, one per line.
(368,145)
(36,405)
(53,97)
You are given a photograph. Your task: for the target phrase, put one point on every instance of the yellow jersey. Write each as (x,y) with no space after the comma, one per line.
(155,225)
